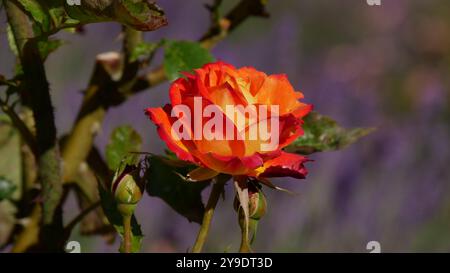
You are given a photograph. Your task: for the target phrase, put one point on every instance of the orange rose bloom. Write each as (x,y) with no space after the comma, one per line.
(220,85)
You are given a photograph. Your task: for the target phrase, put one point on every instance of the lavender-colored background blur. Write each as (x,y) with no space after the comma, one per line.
(384,66)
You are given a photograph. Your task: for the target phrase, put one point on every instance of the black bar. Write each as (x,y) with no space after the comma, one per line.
(223,262)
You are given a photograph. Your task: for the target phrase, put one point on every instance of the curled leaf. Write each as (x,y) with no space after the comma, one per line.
(49,16)
(322,133)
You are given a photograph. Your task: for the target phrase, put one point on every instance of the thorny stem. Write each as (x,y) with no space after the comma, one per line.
(78,144)
(87,181)
(217,189)
(40,102)
(132,38)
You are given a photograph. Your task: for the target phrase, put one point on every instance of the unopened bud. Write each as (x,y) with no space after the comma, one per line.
(257,203)
(126,190)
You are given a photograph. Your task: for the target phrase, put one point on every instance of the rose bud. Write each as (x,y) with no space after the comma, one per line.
(257,202)
(127,190)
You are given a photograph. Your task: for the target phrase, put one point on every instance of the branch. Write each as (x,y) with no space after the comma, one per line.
(30,234)
(87,180)
(95,102)
(80,216)
(132,38)
(40,102)
(4,81)
(98,165)
(20,125)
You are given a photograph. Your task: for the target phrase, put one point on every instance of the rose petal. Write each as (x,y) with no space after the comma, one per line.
(286,164)
(254,78)
(160,117)
(233,165)
(276,90)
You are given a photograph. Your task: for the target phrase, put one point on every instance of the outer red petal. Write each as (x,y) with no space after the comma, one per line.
(233,165)
(302,110)
(161,118)
(286,164)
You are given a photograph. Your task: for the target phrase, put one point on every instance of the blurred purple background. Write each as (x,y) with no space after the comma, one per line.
(385,66)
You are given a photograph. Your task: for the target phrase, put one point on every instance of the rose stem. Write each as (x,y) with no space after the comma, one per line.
(208,215)
(127,233)
(245,247)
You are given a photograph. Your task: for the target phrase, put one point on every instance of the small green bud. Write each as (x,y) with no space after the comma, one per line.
(126,190)
(257,205)
(257,202)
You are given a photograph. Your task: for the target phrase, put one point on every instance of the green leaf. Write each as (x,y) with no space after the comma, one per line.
(138,14)
(10,160)
(7,188)
(11,41)
(124,139)
(10,177)
(58,14)
(143,50)
(13,47)
(109,206)
(48,46)
(165,180)
(142,15)
(50,16)
(184,56)
(38,12)
(322,133)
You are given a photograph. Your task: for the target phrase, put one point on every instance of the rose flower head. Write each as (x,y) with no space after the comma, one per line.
(234,121)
